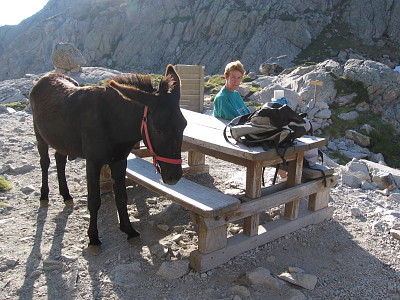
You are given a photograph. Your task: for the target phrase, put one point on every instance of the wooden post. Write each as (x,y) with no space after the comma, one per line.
(253,191)
(210,237)
(106,184)
(295,169)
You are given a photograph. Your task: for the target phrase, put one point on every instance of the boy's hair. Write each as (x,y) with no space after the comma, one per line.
(235,65)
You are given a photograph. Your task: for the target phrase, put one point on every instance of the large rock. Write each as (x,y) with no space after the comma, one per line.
(382,84)
(67,58)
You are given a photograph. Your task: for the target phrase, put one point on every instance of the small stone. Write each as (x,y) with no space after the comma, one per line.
(307,281)
(240,290)
(271,259)
(295,295)
(395,234)
(176,238)
(163,227)
(394,197)
(295,270)
(28,189)
(261,277)
(356,212)
(234,229)
(125,274)
(174,269)
(35,273)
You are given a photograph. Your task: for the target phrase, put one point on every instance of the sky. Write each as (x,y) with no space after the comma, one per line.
(14,11)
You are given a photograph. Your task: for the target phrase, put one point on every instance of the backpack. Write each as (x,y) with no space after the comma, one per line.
(271,126)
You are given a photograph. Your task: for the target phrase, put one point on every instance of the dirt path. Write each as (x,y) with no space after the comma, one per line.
(43,251)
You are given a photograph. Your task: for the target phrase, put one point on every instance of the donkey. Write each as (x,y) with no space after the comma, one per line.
(102,124)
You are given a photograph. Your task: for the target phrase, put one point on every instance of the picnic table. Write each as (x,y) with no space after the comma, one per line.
(212,210)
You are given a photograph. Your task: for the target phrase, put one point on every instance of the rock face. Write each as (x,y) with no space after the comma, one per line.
(144,36)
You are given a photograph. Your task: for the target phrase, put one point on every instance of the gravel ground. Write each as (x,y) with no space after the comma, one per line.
(43,251)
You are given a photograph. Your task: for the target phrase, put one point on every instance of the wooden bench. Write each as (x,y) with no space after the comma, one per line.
(202,202)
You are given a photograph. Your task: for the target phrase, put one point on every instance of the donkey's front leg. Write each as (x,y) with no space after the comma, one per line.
(43,149)
(118,172)
(94,202)
(61,160)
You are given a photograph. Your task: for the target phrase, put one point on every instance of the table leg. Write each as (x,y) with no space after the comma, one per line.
(295,169)
(196,163)
(196,158)
(253,190)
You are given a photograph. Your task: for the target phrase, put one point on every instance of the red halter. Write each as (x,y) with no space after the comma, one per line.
(156,158)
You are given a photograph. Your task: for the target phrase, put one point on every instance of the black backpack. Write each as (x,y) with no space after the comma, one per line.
(271,126)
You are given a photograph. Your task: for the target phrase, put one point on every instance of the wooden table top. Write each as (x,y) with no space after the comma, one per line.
(206,132)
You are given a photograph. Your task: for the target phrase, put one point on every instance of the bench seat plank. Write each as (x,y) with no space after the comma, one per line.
(197,198)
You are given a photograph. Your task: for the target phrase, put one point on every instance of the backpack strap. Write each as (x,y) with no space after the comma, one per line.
(239,120)
(276,173)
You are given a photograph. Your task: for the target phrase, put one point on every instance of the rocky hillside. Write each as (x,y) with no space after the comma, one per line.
(146,35)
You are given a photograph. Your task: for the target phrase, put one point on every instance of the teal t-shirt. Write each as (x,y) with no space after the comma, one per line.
(228,105)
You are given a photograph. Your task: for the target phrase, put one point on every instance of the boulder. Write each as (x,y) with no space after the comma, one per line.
(359,138)
(66,57)
(274,65)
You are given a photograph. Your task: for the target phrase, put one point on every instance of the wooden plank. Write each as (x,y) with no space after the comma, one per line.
(241,243)
(195,197)
(281,197)
(208,137)
(319,83)
(190,98)
(195,170)
(192,86)
(269,201)
(192,107)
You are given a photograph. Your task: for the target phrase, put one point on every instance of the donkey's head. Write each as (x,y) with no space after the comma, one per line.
(165,122)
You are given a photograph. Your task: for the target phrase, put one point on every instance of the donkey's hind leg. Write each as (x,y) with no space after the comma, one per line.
(94,203)
(118,172)
(61,161)
(43,149)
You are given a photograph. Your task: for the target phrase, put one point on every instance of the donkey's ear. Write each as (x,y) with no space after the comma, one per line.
(175,87)
(133,94)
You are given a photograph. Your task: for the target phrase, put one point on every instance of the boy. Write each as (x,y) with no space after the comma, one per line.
(228,103)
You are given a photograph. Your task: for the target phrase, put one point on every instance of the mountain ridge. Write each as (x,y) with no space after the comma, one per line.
(144,36)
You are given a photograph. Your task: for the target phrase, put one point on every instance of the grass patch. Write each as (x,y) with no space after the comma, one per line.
(339,157)
(4,185)
(345,86)
(214,84)
(383,138)
(17,105)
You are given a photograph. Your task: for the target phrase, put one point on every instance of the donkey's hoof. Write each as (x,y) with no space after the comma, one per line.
(44,203)
(69,203)
(94,250)
(135,240)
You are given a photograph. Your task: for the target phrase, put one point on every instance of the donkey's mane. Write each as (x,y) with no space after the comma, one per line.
(139,81)
(143,82)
